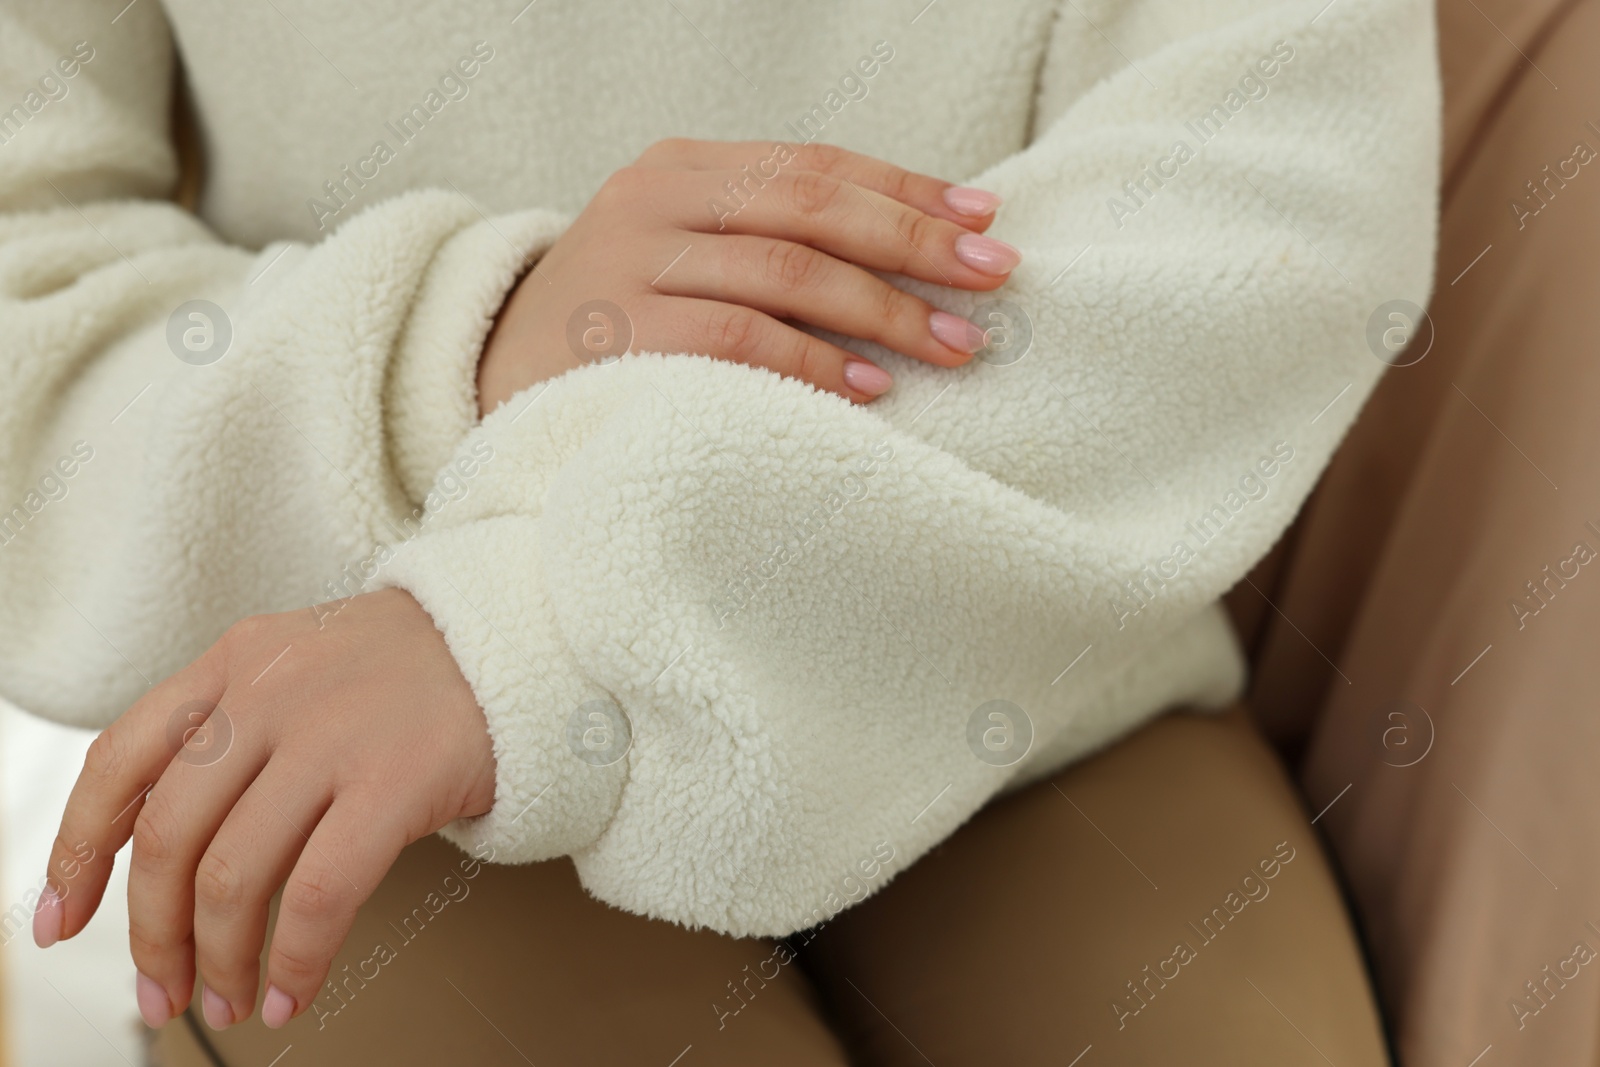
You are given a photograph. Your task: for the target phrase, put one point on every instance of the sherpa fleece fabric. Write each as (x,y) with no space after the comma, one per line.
(737,640)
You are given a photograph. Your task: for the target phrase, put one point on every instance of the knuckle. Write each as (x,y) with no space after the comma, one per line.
(666,148)
(295,967)
(811,192)
(792,267)
(673,150)
(895,308)
(734,331)
(922,230)
(810,360)
(67,860)
(106,756)
(245,635)
(155,833)
(823,157)
(218,884)
(899,185)
(147,946)
(313,896)
(621,184)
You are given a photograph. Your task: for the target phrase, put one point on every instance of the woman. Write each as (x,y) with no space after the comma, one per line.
(745,645)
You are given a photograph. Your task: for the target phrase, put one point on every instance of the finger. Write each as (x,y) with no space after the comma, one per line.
(964,205)
(121,764)
(347,856)
(251,855)
(849,222)
(795,281)
(181,815)
(743,335)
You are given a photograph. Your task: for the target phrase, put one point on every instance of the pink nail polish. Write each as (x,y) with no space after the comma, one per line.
(219,1016)
(974,203)
(868,378)
(955,332)
(986,255)
(49,918)
(277,1008)
(153,1002)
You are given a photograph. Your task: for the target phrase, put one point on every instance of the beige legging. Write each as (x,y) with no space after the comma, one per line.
(1168,900)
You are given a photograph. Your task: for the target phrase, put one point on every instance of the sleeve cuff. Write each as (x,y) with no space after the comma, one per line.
(431,394)
(561,748)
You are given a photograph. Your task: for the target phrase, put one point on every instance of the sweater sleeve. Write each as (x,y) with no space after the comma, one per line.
(747,650)
(191,431)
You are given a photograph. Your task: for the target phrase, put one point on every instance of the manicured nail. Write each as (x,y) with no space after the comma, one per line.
(49,918)
(986,255)
(955,332)
(277,1008)
(868,378)
(965,200)
(219,1016)
(153,1002)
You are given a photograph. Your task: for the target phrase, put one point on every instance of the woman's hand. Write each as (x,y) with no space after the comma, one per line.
(287,755)
(707,246)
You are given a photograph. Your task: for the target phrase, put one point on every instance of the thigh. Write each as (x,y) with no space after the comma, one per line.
(1165,901)
(455,963)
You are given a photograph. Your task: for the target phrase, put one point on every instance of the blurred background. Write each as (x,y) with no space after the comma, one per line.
(72,1006)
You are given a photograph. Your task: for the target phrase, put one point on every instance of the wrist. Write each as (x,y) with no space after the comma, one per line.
(492,372)
(520,350)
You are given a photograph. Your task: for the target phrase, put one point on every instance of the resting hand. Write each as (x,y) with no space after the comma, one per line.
(329,750)
(694,267)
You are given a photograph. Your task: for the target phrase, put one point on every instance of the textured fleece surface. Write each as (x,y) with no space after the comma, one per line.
(736,639)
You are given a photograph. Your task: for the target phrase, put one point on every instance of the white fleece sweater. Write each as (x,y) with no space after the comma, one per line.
(802,609)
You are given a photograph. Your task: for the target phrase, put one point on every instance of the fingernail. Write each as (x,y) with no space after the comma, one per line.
(868,378)
(219,1016)
(49,918)
(277,1008)
(986,255)
(965,200)
(955,332)
(153,1002)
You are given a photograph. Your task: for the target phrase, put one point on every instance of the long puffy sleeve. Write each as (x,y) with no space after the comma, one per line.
(746,650)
